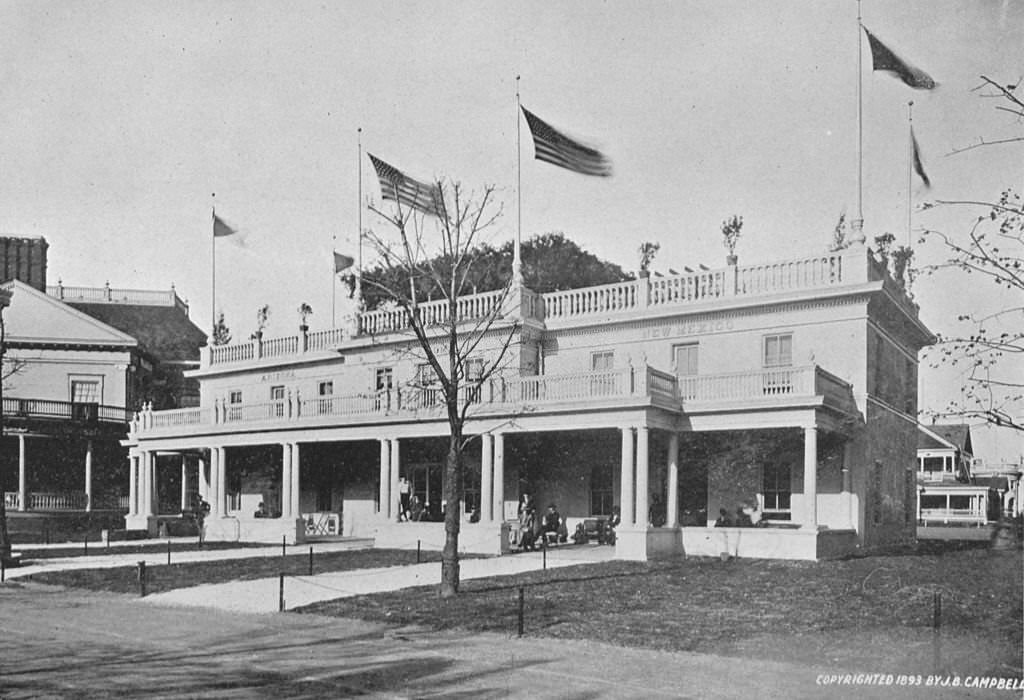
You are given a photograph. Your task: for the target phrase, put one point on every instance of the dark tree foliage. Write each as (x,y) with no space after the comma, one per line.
(551,262)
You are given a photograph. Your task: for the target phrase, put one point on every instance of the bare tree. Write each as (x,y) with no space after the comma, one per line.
(431,253)
(992,250)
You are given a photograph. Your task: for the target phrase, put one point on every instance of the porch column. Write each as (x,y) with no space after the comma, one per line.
(154,492)
(672,504)
(216,502)
(626,494)
(222,480)
(393,506)
(498,485)
(145,483)
(848,497)
(22,485)
(811,478)
(133,485)
(184,482)
(486,485)
(642,477)
(286,480)
(384,495)
(203,477)
(296,471)
(88,476)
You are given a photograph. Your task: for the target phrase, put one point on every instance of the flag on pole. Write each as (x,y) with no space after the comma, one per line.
(883,58)
(404,190)
(220,228)
(552,146)
(342,262)
(918,167)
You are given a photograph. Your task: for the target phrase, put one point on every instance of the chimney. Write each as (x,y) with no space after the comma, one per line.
(24,259)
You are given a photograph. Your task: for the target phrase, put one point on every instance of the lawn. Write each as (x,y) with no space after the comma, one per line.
(30,553)
(860,612)
(124,579)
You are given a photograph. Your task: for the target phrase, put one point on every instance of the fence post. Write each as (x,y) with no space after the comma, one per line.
(284,545)
(3,569)
(168,552)
(310,560)
(280,594)
(544,550)
(417,551)
(86,544)
(520,611)
(142,579)
(937,630)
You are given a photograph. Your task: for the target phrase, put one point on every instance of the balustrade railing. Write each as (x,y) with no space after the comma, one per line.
(64,501)
(64,410)
(735,386)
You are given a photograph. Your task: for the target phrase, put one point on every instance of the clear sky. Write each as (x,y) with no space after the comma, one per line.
(118,120)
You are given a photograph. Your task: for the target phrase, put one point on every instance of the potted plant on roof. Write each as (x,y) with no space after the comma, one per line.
(262,314)
(731,230)
(305,311)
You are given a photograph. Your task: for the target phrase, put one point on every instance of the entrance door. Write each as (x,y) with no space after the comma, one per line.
(426,485)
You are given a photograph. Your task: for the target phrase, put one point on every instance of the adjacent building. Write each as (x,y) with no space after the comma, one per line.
(788,388)
(78,362)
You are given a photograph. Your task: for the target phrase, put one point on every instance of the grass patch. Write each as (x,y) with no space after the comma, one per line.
(706,605)
(124,579)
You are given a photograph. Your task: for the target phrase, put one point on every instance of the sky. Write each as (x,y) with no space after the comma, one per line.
(123,122)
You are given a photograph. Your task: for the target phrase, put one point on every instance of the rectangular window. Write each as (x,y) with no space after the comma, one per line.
(383,379)
(325,390)
(778,350)
(277,398)
(235,405)
(85,391)
(602,360)
(776,491)
(474,373)
(932,464)
(601,490)
(686,360)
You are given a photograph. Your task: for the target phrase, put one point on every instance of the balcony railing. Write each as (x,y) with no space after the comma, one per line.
(112,295)
(64,410)
(511,394)
(64,501)
(851,266)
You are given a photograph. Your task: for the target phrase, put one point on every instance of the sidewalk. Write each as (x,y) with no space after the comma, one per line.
(262,595)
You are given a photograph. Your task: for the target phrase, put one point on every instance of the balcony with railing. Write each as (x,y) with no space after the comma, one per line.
(113,295)
(63,501)
(559,309)
(510,395)
(28,409)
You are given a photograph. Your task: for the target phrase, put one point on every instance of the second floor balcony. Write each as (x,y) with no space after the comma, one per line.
(570,392)
(49,415)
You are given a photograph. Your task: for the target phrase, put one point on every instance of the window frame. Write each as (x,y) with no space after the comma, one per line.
(779,361)
(769,500)
(695,348)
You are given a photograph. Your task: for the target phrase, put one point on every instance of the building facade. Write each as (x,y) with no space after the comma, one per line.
(788,389)
(78,362)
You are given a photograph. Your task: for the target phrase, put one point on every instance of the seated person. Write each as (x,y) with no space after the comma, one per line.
(724,519)
(609,527)
(742,519)
(415,509)
(261,511)
(551,522)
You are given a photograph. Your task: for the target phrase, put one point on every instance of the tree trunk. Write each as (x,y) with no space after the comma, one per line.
(452,515)
(5,542)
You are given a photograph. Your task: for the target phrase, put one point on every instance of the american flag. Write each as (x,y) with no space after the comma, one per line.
(404,190)
(918,165)
(221,229)
(552,146)
(884,59)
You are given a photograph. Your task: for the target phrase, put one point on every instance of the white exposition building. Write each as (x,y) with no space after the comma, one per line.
(788,387)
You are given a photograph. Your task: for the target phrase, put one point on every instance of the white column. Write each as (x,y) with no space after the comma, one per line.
(222,480)
(393,481)
(22,482)
(384,495)
(498,484)
(486,485)
(143,481)
(626,493)
(184,482)
(286,480)
(133,484)
(672,505)
(204,478)
(212,492)
(642,477)
(154,499)
(88,475)
(295,487)
(811,478)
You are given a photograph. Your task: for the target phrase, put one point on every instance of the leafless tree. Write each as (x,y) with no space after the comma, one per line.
(992,249)
(431,254)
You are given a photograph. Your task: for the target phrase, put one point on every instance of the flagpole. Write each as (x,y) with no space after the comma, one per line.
(517,263)
(213,270)
(359,244)
(858,223)
(910,167)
